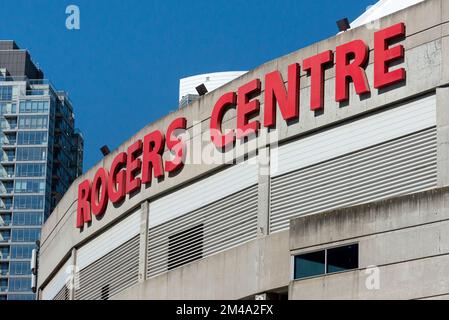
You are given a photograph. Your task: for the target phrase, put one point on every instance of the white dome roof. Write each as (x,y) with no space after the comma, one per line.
(381,9)
(212,81)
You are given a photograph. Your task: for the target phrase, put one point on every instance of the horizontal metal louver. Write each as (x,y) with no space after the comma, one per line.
(110,274)
(192,239)
(400,166)
(203,192)
(108,240)
(224,224)
(63,294)
(366,132)
(57,283)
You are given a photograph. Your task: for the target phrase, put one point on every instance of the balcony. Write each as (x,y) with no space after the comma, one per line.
(6,175)
(37,92)
(8,126)
(9,110)
(8,160)
(5,204)
(6,189)
(8,143)
(5,221)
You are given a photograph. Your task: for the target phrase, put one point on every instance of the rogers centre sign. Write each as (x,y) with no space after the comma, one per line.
(143,160)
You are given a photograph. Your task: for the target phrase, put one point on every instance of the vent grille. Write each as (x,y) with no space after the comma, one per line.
(63,294)
(105,292)
(185,247)
(404,165)
(221,225)
(110,274)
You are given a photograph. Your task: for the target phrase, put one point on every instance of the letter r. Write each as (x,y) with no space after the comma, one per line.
(83,211)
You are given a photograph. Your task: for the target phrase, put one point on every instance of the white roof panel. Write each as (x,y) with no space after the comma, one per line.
(381,9)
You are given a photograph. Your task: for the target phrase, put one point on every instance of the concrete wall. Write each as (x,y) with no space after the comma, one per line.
(407,238)
(256,266)
(426,60)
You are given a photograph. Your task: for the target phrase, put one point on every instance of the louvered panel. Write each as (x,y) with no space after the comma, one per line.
(63,294)
(403,165)
(57,283)
(109,240)
(117,271)
(377,128)
(226,223)
(199,194)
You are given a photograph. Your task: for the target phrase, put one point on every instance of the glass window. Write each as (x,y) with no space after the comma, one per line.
(33,122)
(4,268)
(33,107)
(22,297)
(310,264)
(21,251)
(6,205)
(27,218)
(326,261)
(31,154)
(343,258)
(30,169)
(19,284)
(5,219)
(29,186)
(5,93)
(5,235)
(28,202)
(25,235)
(6,108)
(3,285)
(20,268)
(32,137)
(4,252)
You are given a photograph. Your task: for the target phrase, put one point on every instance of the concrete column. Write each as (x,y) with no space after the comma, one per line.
(443,136)
(74,276)
(143,247)
(263,207)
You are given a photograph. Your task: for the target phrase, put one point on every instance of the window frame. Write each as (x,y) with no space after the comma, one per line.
(325,249)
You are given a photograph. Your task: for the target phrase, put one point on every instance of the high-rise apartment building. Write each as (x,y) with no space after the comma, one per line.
(41,154)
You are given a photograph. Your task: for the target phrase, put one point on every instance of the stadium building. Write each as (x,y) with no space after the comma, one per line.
(339,188)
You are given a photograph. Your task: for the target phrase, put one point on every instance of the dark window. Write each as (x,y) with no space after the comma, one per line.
(105,292)
(185,247)
(310,264)
(343,258)
(5,93)
(326,261)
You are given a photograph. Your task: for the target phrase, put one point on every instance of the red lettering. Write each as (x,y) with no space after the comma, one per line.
(315,65)
(83,210)
(117,179)
(175,145)
(275,92)
(146,155)
(246,108)
(153,148)
(223,104)
(133,166)
(383,56)
(99,196)
(345,69)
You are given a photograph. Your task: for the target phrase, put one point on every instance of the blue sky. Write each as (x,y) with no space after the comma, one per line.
(122,68)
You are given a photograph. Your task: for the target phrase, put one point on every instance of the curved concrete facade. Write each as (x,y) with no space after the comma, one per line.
(261,261)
